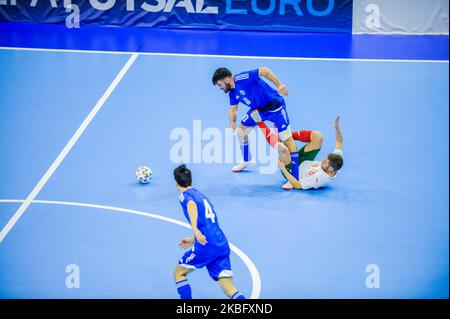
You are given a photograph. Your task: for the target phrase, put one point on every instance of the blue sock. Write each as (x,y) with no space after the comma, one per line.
(184,289)
(245,149)
(294,170)
(238,295)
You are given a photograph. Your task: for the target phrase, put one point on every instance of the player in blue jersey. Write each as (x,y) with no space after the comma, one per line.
(210,247)
(265,104)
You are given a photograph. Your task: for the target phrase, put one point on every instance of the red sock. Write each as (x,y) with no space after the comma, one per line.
(302,135)
(271,138)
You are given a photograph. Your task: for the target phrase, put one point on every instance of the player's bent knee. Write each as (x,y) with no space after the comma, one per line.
(317,138)
(242,131)
(179,272)
(176,272)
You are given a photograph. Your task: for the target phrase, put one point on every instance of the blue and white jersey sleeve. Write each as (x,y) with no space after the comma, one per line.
(247,76)
(184,200)
(233,100)
(253,75)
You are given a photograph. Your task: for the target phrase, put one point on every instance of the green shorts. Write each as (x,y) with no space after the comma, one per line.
(303,156)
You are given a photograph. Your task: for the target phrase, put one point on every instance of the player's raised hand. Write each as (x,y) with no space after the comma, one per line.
(186,242)
(200,237)
(336,122)
(282,90)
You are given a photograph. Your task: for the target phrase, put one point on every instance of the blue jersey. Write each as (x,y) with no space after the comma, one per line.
(207,222)
(253,91)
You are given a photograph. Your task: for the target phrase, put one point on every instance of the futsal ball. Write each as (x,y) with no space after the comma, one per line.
(143,174)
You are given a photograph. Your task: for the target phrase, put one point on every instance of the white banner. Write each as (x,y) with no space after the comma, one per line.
(400,16)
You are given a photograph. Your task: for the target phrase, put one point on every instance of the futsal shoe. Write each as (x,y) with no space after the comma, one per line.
(241,166)
(288,186)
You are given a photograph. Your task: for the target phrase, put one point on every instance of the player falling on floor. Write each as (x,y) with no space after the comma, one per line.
(313,174)
(264,102)
(210,246)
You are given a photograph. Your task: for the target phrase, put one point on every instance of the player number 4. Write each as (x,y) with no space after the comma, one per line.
(209,212)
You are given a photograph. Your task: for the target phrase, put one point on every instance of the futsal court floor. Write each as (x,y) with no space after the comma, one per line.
(76,123)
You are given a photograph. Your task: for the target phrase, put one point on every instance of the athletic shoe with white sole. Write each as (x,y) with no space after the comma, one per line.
(287,186)
(241,166)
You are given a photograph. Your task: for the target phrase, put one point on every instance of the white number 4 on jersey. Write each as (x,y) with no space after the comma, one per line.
(209,212)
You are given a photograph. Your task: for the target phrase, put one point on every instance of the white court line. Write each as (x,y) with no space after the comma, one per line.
(66,149)
(398,33)
(223,56)
(256,279)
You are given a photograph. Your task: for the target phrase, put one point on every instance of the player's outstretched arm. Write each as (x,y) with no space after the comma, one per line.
(193,217)
(294,182)
(337,128)
(268,74)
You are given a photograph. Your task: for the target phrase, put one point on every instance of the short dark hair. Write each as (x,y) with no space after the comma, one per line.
(336,161)
(220,74)
(183,176)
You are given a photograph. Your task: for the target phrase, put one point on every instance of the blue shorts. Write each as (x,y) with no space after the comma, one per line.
(279,117)
(218,265)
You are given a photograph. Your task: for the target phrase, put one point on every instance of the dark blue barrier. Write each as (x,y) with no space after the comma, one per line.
(281,15)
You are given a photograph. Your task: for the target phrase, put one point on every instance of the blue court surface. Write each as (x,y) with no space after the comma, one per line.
(82,206)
